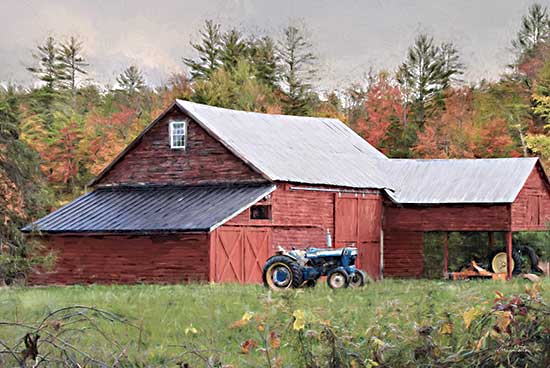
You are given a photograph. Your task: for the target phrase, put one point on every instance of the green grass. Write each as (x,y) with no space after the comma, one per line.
(391,310)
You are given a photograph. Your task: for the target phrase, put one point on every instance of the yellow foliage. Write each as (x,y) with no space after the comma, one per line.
(446,328)
(471,315)
(299,320)
(504,318)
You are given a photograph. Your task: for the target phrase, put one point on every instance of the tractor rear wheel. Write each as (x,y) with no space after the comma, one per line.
(499,262)
(338,279)
(282,272)
(358,279)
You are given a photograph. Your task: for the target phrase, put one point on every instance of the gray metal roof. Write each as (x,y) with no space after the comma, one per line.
(294,148)
(151,209)
(458,181)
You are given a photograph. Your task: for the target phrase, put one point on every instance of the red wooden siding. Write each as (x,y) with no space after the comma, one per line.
(447,218)
(239,253)
(358,222)
(127,259)
(531,209)
(204,160)
(403,254)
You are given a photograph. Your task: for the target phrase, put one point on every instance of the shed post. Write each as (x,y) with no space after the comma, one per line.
(509,258)
(446,254)
(491,240)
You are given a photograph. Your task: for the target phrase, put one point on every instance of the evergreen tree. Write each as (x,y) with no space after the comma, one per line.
(535,29)
(73,62)
(49,68)
(233,49)
(263,57)
(209,50)
(427,70)
(296,70)
(131,80)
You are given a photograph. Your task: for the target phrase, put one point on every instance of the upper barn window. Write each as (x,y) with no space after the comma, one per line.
(178,134)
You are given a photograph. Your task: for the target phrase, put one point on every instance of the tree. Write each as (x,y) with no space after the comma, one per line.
(49,68)
(264,59)
(535,29)
(131,80)
(233,49)
(427,70)
(73,62)
(383,108)
(296,70)
(208,49)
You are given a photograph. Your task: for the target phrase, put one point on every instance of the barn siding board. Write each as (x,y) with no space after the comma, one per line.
(403,254)
(531,209)
(205,160)
(126,259)
(447,218)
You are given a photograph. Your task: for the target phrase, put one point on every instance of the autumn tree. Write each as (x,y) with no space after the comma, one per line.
(208,50)
(296,70)
(427,70)
(383,107)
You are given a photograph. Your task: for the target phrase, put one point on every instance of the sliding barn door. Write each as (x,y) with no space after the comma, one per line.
(358,223)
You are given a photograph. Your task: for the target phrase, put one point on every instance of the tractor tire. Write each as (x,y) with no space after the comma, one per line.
(338,279)
(310,283)
(359,279)
(498,261)
(282,272)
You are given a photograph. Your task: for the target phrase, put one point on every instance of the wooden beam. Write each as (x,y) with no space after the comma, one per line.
(491,240)
(446,254)
(509,258)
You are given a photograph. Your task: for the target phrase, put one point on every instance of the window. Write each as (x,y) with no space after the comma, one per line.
(178,132)
(260,212)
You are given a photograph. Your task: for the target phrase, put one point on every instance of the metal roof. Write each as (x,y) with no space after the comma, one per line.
(294,148)
(151,209)
(458,181)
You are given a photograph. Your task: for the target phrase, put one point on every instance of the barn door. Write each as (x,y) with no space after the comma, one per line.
(358,221)
(240,254)
(534,213)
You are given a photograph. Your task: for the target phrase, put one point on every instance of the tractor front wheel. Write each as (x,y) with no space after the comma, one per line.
(282,272)
(338,279)
(358,279)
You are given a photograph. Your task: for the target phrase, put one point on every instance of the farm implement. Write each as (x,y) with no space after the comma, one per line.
(303,268)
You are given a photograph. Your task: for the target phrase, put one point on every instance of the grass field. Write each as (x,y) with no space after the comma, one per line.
(239,325)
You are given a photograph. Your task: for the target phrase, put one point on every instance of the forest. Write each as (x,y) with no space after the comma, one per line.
(60,132)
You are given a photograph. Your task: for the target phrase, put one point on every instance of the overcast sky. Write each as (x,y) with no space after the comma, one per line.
(349,36)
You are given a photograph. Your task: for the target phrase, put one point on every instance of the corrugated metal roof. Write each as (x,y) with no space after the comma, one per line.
(151,209)
(458,181)
(294,148)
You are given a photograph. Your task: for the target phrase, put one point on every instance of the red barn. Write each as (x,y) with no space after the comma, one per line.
(206,193)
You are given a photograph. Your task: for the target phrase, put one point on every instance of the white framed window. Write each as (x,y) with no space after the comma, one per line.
(178,134)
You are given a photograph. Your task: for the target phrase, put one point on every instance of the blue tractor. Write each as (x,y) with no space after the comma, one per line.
(297,268)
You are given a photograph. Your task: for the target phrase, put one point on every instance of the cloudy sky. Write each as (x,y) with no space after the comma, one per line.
(349,36)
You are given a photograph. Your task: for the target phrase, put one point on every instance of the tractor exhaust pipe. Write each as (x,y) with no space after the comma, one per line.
(329,239)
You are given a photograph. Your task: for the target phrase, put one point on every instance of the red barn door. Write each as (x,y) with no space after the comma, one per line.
(358,222)
(240,253)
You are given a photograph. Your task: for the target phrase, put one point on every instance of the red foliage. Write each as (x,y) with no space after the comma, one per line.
(383,107)
(62,156)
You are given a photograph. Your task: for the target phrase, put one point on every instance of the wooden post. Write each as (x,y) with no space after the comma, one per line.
(509,258)
(491,240)
(446,255)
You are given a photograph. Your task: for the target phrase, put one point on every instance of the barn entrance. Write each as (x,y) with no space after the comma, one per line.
(358,223)
(239,253)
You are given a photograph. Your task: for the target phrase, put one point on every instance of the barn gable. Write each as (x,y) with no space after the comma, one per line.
(531,208)
(151,160)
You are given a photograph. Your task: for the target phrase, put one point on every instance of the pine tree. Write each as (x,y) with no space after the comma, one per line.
(73,62)
(535,29)
(427,70)
(296,70)
(131,80)
(49,68)
(209,50)
(264,59)
(233,49)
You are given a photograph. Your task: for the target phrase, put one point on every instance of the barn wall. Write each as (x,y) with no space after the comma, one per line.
(531,209)
(447,218)
(403,254)
(126,259)
(301,218)
(204,160)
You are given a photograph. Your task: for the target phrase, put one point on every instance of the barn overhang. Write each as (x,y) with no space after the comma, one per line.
(151,209)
